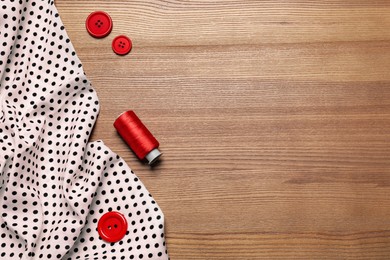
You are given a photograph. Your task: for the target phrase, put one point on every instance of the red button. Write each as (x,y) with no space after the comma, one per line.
(99,24)
(121,45)
(112,226)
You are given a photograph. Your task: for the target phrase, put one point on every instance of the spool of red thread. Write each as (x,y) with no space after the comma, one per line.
(137,136)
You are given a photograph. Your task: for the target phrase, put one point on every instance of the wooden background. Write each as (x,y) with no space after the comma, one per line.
(273,116)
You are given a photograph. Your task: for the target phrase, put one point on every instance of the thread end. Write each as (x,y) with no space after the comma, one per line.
(153,156)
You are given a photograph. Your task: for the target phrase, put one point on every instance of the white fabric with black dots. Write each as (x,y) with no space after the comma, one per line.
(54,184)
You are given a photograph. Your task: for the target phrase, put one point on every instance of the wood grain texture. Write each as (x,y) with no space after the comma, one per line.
(273,117)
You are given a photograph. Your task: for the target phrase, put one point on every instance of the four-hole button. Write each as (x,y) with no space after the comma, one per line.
(99,24)
(121,45)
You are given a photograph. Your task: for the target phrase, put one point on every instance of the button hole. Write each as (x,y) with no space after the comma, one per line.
(109,227)
(115,226)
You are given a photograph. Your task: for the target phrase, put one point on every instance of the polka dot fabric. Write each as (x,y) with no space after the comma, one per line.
(54,184)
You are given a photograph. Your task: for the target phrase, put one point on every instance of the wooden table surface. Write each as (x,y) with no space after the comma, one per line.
(273,117)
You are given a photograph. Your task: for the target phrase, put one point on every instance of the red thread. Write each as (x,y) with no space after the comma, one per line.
(136,135)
